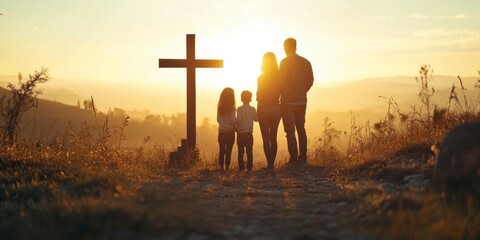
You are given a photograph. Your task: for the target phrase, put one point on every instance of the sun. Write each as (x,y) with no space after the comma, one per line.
(242,51)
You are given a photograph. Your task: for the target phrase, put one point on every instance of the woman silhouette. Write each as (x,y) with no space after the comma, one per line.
(268,109)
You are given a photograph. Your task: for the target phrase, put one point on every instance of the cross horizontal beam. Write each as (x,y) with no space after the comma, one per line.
(191,64)
(182,63)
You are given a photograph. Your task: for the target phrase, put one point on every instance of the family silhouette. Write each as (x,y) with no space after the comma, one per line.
(281,95)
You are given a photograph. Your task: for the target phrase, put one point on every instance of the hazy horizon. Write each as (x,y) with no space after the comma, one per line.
(109,42)
(139,100)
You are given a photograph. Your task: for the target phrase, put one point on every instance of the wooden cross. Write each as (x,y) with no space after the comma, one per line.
(190,64)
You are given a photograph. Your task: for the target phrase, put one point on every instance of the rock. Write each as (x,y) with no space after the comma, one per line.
(417,181)
(458,160)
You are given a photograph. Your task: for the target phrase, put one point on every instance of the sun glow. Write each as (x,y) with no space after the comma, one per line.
(242,51)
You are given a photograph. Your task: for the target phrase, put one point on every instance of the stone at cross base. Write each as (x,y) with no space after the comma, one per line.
(188,151)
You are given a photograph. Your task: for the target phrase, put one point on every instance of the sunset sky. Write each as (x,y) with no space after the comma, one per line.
(121,41)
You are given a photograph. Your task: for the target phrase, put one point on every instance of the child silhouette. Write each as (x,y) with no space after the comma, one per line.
(226,127)
(246,115)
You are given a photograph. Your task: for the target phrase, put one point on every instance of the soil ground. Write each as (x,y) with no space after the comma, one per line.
(388,198)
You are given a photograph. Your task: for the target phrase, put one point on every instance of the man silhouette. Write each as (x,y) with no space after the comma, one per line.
(296,77)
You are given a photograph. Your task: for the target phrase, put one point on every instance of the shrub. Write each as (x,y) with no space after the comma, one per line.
(23,97)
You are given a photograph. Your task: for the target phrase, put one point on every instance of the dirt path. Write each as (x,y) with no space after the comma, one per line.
(290,203)
(384,199)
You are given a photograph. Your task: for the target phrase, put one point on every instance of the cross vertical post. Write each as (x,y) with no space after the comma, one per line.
(190,63)
(191,93)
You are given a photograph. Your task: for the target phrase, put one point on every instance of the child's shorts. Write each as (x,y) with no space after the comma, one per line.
(245,139)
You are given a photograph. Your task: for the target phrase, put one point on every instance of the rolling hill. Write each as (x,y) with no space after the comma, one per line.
(339,102)
(346,96)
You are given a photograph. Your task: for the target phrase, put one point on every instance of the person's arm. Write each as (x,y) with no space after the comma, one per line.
(276,87)
(255,116)
(258,87)
(282,76)
(309,75)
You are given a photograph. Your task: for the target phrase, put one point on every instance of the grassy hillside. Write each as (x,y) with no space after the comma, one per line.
(54,119)
(370,182)
(357,101)
(340,97)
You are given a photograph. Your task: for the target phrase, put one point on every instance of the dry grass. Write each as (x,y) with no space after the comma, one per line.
(370,182)
(386,156)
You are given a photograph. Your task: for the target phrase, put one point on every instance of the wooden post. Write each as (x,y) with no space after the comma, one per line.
(190,63)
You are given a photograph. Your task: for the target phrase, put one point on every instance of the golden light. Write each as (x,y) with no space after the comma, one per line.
(242,50)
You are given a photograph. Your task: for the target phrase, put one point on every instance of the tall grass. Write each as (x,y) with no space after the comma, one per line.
(66,171)
(398,146)
(420,125)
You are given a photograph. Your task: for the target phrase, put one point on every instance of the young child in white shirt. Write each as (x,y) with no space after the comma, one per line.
(246,115)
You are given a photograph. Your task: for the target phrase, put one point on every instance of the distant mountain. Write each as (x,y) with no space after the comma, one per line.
(61,95)
(129,96)
(336,97)
(365,93)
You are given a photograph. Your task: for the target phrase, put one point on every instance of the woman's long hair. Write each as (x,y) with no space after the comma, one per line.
(268,87)
(226,103)
(269,64)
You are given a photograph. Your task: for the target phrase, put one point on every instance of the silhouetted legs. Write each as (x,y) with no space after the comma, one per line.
(225,142)
(293,117)
(268,119)
(245,144)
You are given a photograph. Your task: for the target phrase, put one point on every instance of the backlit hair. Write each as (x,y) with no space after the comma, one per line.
(269,63)
(226,103)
